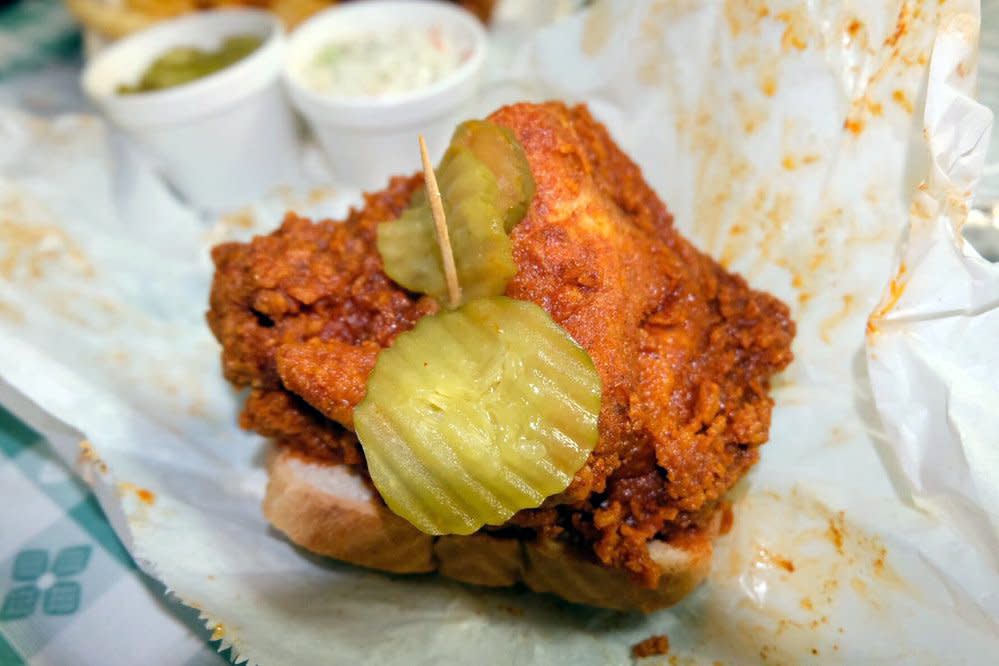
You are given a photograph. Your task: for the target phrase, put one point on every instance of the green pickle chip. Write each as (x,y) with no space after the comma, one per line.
(183,64)
(476,414)
(500,151)
(483,254)
(486,187)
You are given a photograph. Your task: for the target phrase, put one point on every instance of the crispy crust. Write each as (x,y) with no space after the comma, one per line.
(684,348)
(330,510)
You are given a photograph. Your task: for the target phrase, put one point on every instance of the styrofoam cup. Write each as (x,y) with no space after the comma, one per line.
(222,140)
(369,139)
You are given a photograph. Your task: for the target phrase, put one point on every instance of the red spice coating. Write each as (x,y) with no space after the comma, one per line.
(685,349)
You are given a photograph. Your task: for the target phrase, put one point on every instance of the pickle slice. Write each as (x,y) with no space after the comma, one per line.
(482,251)
(476,414)
(500,151)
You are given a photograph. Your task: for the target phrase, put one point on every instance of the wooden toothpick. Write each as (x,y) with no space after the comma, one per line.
(440,224)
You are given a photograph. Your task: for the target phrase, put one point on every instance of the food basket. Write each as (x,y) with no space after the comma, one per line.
(107,20)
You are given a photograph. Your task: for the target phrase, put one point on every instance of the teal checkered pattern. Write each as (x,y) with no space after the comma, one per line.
(60,598)
(60,560)
(33,33)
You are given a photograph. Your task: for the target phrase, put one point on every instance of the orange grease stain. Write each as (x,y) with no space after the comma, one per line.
(837,318)
(901,26)
(895,290)
(147,497)
(727,520)
(879,561)
(837,528)
(796,32)
(902,100)
(777,560)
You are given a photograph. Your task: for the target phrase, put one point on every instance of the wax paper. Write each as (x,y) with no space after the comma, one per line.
(826,151)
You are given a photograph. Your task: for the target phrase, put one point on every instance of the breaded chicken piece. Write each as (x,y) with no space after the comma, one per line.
(685,349)
(329,375)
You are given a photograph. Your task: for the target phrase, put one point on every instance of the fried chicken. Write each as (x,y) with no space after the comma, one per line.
(684,348)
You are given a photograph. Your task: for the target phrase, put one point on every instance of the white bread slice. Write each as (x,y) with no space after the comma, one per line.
(328,509)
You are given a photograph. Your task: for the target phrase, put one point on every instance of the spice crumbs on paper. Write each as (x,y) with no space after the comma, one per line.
(147,497)
(769,86)
(651,646)
(35,248)
(768,557)
(895,290)
(796,29)
(902,99)
(830,323)
(11,313)
(89,456)
(901,25)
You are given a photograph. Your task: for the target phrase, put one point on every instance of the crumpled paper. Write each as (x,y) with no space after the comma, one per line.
(825,151)
(933,374)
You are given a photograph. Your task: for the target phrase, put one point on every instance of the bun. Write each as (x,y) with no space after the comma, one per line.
(330,510)
(108,20)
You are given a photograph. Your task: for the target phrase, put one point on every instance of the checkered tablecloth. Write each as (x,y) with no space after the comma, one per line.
(33,33)
(69,592)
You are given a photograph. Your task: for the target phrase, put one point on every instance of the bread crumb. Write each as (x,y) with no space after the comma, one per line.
(651,646)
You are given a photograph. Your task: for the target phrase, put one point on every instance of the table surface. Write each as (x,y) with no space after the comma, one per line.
(69,591)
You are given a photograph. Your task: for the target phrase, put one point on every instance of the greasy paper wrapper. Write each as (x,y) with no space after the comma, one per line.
(827,153)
